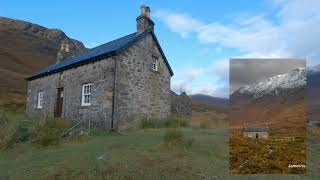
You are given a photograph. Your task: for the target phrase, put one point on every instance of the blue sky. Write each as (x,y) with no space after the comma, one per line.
(198,37)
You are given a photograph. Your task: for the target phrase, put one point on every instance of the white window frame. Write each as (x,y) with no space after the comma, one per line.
(154,63)
(86,94)
(40,100)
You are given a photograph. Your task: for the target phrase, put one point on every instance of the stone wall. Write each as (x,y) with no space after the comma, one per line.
(99,73)
(141,92)
(181,104)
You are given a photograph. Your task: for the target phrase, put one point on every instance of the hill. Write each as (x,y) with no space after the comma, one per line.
(206,99)
(24,49)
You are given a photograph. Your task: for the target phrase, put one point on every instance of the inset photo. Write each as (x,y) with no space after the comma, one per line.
(268,116)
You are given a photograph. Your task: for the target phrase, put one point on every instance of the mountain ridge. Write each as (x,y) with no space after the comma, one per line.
(279,86)
(207,99)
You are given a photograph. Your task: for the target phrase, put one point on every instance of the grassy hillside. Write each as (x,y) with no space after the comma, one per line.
(24,49)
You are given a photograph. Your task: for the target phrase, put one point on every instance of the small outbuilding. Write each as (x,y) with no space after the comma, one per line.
(256,131)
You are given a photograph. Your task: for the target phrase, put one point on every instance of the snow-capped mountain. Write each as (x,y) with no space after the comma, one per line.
(276,86)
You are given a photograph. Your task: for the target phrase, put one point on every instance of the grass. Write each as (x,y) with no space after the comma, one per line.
(135,154)
(124,153)
(174,138)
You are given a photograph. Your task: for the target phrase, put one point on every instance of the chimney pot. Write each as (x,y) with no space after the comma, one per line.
(143,21)
(143,9)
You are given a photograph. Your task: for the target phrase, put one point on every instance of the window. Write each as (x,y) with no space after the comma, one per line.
(86,95)
(40,100)
(154,63)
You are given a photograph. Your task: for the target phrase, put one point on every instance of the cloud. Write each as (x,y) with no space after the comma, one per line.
(210,89)
(177,22)
(184,78)
(293,33)
(205,88)
(191,73)
(220,68)
(180,86)
(191,80)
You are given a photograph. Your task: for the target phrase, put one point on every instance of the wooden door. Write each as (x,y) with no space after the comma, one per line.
(59,105)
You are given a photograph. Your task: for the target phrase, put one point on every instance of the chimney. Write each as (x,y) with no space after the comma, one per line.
(143,21)
(63,52)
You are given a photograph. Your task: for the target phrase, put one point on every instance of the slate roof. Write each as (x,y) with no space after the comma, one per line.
(111,48)
(255,128)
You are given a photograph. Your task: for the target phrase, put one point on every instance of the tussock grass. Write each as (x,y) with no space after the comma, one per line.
(174,138)
(173,122)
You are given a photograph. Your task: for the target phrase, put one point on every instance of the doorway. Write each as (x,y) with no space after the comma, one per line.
(59,105)
(257,135)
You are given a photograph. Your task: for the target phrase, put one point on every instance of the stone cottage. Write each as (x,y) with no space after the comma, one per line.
(113,85)
(256,131)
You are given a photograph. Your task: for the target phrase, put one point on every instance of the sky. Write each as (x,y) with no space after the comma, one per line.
(251,71)
(197,37)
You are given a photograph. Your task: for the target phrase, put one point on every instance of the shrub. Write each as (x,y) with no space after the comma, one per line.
(174,137)
(8,134)
(22,134)
(48,131)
